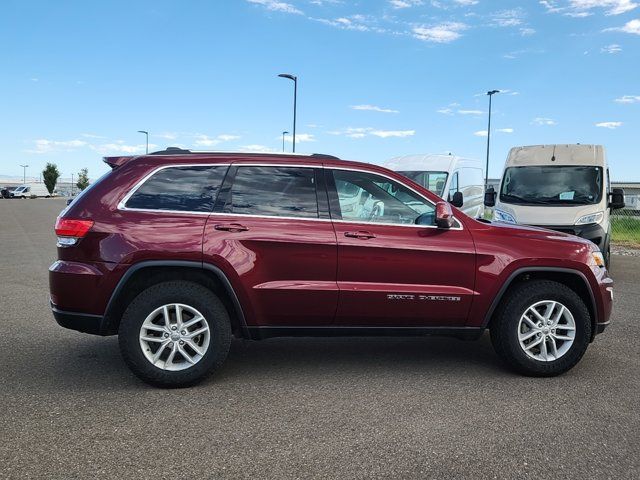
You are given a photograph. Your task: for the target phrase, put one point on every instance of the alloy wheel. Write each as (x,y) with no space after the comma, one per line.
(546,330)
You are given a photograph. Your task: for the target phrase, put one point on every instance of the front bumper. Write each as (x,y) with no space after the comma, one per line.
(593,232)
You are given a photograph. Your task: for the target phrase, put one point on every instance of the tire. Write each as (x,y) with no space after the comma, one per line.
(191,299)
(509,326)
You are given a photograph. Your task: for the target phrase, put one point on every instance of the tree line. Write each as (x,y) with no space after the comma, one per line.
(50,176)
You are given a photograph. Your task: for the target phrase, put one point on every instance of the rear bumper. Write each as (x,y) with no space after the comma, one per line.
(82,322)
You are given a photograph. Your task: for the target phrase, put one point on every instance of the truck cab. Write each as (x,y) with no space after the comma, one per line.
(566,188)
(455,179)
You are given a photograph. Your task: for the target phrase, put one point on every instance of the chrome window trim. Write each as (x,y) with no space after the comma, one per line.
(122,203)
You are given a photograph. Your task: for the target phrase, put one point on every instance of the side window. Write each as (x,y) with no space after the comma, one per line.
(453,186)
(185,189)
(367,197)
(274,191)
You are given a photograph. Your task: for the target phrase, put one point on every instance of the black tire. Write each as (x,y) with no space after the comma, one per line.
(504,328)
(189,293)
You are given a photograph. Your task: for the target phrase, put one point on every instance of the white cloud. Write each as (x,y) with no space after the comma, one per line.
(504,130)
(543,121)
(527,31)
(404,3)
(583,8)
(42,145)
(609,125)
(470,112)
(91,135)
(300,137)
(445,111)
(206,141)
(480,133)
(466,2)
(373,108)
(120,147)
(507,18)
(166,135)
(628,99)
(613,48)
(483,133)
(442,33)
(393,133)
(632,26)
(277,6)
(257,148)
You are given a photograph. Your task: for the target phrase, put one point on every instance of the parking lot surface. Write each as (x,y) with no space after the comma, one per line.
(302,408)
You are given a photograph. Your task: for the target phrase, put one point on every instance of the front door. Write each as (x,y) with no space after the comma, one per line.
(392,272)
(276,242)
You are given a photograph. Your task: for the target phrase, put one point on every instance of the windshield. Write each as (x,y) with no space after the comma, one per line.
(557,185)
(434,181)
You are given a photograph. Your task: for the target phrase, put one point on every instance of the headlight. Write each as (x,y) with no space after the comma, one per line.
(597,260)
(591,218)
(501,216)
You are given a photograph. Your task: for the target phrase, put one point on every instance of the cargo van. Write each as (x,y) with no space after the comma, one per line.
(560,187)
(455,179)
(31,190)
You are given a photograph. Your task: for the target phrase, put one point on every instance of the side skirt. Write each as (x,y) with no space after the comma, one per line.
(463,333)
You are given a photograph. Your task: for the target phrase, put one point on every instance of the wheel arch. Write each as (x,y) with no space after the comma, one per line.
(147,273)
(574,279)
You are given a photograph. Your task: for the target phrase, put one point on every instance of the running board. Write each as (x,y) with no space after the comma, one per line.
(463,333)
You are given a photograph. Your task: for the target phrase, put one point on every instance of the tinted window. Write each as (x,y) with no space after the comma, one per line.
(185,189)
(274,191)
(366,197)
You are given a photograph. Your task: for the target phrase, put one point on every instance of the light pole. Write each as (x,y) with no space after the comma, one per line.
(72,184)
(283,134)
(491,93)
(147,135)
(295,99)
(24,173)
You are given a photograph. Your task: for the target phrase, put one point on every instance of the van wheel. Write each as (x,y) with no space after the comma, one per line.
(542,329)
(174,334)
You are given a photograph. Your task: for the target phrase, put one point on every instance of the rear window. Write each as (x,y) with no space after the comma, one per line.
(183,189)
(274,191)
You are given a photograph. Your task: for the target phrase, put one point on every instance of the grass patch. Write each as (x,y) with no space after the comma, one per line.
(625,229)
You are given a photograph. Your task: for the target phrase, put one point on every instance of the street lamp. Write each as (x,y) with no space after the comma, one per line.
(491,93)
(72,184)
(283,134)
(295,95)
(147,135)
(24,173)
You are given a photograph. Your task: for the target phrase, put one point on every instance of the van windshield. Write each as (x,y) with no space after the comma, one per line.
(434,181)
(561,185)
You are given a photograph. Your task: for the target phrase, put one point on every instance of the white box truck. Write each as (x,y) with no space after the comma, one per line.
(31,190)
(566,188)
(455,179)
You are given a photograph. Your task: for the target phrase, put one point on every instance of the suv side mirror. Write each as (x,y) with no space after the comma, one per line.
(490,197)
(457,199)
(444,215)
(616,199)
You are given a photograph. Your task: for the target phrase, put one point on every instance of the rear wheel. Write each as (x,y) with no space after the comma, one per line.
(174,334)
(542,329)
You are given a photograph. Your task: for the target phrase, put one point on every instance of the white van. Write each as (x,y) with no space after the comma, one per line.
(31,190)
(458,180)
(561,187)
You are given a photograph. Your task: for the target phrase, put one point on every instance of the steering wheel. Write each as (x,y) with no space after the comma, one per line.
(377,210)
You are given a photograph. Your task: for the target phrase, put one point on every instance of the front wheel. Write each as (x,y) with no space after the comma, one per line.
(543,329)
(174,334)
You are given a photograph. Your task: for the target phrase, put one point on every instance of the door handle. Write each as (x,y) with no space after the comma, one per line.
(361,234)
(231,227)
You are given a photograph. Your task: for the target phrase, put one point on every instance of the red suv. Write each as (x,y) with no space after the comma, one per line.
(176,252)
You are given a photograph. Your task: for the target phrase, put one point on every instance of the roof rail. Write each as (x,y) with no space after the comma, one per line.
(183,151)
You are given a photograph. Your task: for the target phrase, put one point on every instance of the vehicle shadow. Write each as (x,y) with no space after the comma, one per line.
(94,363)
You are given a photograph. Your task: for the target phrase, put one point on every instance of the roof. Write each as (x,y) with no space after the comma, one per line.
(430,162)
(561,154)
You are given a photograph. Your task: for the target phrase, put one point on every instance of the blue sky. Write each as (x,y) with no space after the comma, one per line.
(377,78)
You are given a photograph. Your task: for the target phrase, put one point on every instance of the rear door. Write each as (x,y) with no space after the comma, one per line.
(271,231)
(392,272)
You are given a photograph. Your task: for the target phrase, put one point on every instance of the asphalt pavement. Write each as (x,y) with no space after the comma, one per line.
(302,408)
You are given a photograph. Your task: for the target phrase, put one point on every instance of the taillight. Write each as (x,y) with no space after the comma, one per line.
(69,230)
